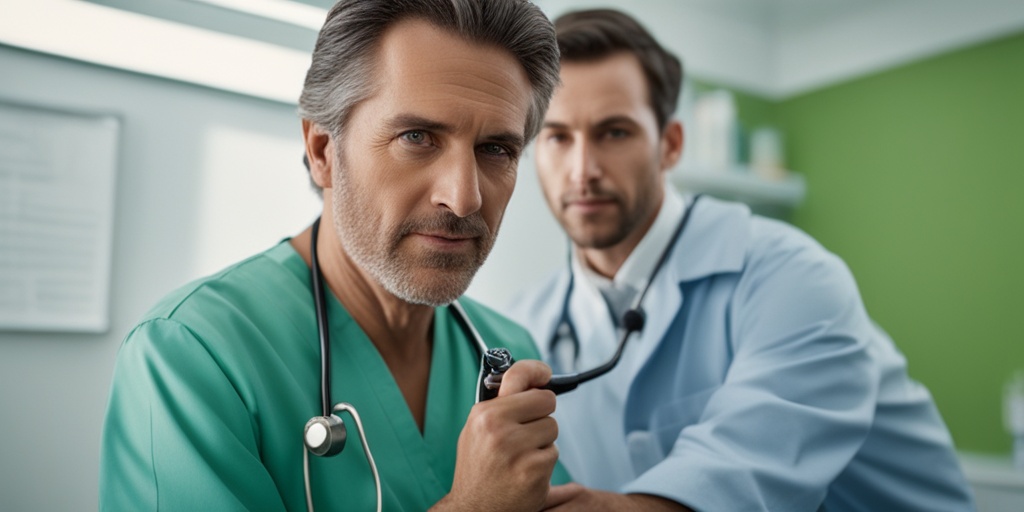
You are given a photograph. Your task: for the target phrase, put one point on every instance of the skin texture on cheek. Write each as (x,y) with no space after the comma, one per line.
(388,249)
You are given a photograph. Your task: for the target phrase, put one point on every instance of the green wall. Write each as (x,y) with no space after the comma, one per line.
(916,178)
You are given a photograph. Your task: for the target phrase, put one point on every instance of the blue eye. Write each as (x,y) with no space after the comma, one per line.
(414,136)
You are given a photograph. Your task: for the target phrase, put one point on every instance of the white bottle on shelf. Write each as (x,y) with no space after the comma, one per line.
(714,136)
(767,158)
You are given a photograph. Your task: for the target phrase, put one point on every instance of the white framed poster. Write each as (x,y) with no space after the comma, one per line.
(57,181)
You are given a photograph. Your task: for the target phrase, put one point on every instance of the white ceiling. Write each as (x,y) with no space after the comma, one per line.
(774,48)
(781,48)
(782,15)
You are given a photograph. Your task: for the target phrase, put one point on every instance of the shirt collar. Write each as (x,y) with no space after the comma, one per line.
(716,241)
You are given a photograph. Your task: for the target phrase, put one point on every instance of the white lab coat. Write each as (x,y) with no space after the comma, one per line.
(758,383)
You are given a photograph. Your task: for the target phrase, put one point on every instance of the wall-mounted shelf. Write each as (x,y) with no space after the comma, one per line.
(770,197)
(740,183)
(998,486)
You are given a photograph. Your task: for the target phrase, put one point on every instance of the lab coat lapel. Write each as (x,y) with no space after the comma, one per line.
(663,302)
(715,241)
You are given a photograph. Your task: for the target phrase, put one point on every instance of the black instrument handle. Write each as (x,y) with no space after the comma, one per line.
(498,360)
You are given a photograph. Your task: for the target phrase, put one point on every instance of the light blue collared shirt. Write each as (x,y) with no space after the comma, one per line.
(758,383)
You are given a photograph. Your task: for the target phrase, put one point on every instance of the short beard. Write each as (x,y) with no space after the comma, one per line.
(377,253)
(625,223)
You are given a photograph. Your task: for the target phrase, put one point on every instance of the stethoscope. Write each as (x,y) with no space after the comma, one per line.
(325,435)
(632,320)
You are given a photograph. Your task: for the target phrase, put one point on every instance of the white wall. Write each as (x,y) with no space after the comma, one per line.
(204,178)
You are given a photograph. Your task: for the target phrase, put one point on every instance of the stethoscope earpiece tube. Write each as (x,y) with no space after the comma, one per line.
(320,305)
(562,383)
(633,320)
(325,435)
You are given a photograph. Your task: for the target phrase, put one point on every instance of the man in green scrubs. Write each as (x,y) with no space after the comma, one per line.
(414,114)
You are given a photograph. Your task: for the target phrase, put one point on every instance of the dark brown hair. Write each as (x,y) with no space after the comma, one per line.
(595,34)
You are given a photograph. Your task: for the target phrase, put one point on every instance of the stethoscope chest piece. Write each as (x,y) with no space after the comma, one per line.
(325,435)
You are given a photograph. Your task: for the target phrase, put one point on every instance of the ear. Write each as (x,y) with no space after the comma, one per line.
(319,151)
(671,145)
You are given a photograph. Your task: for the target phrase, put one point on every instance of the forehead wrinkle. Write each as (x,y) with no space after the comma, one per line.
(475,83)
(503,114)
(471,78)
(487,98)
(508,76)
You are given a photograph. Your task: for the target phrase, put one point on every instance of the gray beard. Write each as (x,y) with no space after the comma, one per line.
(397,273)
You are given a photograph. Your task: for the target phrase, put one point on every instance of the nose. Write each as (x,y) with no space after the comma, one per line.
(457,183)
(583,163)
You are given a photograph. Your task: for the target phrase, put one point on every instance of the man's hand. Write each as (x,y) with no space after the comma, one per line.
(506,450)
(569,497)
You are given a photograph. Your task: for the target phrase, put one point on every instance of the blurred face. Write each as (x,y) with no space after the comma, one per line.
(601,157)
(428,163)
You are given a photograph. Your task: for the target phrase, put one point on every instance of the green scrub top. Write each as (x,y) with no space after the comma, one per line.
(212,390)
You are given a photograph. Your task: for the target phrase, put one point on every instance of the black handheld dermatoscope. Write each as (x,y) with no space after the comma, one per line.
(497,361)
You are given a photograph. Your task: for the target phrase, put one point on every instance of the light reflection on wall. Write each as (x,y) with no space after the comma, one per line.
(253,192)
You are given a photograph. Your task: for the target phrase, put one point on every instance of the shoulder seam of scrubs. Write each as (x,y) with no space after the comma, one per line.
(204,282)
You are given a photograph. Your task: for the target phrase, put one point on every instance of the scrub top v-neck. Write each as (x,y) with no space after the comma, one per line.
(361,377)
(213,387)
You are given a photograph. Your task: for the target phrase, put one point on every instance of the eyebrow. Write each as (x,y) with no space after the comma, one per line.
(405,121)
(604,123)
(613,120)
(413,121)
(555,125)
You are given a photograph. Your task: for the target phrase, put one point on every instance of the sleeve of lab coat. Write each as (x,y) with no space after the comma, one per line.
(797,401)
(178,435)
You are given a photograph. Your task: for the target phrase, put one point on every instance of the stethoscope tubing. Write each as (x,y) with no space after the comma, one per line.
(320,307)
(323,330)
(633,320)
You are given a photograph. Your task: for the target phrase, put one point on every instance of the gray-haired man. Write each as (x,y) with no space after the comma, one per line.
(414,114)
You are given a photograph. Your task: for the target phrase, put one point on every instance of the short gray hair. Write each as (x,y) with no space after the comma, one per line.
(341,73)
